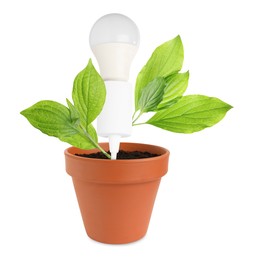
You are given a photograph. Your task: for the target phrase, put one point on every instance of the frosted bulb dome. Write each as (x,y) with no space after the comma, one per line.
(114,28)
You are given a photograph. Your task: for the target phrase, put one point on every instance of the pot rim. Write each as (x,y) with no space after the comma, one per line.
(69,153)
(118,171)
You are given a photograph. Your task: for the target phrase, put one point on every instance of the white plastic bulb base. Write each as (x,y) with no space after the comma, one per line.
(114,60)
(115,120)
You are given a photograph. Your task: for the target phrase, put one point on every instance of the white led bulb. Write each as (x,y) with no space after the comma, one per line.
(114,40)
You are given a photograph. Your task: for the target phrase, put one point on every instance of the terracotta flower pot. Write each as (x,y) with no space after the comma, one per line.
(116,197)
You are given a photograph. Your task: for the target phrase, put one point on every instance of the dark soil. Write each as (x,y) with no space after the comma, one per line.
(122,155)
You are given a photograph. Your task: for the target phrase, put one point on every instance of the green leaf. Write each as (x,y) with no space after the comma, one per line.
(177,84)
(168,104)
(166,59)
(80,140)
(152,95)
(50,117)
(89,93)
(54,119)
(191,114)
(75,118)
(74,113)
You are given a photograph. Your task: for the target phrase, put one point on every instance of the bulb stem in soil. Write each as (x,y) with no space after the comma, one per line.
(114,144)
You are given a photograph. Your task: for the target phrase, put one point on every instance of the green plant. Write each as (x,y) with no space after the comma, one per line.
(159,88)
(73,124)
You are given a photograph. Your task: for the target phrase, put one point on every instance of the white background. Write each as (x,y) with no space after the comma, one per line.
(208,205)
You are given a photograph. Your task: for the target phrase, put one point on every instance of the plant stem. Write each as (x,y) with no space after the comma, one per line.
(138,124)
(134,115)
(140,113)
(86,134)
(103,151)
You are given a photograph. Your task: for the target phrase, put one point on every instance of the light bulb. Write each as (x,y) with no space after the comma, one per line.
(114,40)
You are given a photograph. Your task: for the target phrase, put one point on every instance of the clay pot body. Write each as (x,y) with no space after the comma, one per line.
(116,197)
